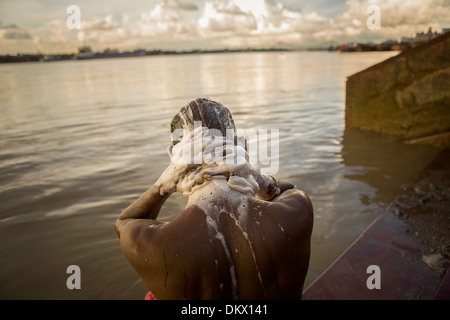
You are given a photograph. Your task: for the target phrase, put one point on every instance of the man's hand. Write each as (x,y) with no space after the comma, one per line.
(185,156)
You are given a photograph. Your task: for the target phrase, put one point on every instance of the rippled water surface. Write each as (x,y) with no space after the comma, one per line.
(80,140)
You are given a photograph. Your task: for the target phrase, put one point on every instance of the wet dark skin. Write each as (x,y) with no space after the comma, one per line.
(182,259)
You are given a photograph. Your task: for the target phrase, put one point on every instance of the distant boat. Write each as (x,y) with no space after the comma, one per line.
(57,57)
(85,52)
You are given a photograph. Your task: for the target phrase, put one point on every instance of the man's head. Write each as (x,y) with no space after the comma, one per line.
(211,114)
(207,128)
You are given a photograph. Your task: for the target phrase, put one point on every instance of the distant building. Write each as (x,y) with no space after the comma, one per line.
(405,43)
(422,37)
(386,46)
(362,47)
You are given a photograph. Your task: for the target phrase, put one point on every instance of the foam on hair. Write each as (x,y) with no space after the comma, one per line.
(212,115)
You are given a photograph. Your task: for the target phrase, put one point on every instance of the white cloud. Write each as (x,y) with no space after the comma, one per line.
(398,18)
(13,32)
(188,24)
(107,23)
(217,18)
(179,5)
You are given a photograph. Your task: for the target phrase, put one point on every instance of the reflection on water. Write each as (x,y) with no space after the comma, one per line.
(372,170)
(80,140)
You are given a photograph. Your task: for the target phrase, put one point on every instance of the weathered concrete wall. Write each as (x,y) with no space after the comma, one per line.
(407,95)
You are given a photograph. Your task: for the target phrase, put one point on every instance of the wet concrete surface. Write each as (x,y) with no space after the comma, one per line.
(409,242)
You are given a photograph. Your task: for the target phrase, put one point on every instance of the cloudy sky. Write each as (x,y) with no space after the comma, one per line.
(29,26)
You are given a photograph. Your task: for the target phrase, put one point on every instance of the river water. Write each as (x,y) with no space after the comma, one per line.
(80,140)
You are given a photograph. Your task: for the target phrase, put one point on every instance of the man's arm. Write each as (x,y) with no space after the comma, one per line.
(147,206)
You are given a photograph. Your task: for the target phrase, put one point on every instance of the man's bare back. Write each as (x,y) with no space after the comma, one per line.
(261,252)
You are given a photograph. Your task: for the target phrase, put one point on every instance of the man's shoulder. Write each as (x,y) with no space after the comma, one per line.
(293,205)
(293,197)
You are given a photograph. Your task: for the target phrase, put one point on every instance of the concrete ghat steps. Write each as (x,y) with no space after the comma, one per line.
(406,95)
(388,244)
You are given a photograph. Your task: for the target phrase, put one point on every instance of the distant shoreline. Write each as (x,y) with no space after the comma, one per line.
(72,56)
(85,52)
(69,57)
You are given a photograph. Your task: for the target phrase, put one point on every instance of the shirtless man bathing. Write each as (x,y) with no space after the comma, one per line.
(242,235)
